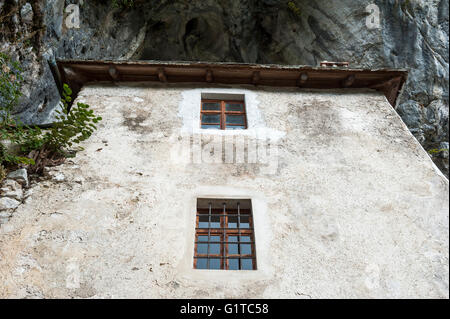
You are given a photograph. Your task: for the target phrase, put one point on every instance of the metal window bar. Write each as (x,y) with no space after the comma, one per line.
(239,233)
(209,234)
(225,220)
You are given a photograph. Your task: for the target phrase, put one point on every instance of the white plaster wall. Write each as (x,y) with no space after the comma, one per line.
(353,207)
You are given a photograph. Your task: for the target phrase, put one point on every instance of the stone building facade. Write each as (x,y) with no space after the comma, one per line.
(344,201)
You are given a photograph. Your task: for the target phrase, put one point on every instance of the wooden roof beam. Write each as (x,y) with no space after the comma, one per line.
(256,76)
(209,76)
(82,71)
(349,80)
(162,75)
(113,72)
(302,79)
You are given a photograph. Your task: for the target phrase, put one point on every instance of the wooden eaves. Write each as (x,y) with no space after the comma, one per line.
(76,73)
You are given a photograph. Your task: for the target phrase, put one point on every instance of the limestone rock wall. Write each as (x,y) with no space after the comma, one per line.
(412,34)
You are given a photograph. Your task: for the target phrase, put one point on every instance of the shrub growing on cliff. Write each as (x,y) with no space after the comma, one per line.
(10,86)
(122,3)
(10,92)
(294,9)
(39,148)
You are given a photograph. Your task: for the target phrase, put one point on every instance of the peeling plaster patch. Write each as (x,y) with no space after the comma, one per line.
(372,280)
(25,263)
(189,111)
(107,89)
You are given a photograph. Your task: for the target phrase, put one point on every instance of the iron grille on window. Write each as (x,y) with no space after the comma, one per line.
(224,237)
(223,115)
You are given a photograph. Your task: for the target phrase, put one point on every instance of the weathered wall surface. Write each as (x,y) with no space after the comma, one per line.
(354,208)
(413,35)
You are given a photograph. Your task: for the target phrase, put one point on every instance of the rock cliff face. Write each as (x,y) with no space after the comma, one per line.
(412,34)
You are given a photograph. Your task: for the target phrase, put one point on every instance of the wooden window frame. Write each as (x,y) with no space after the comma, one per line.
(223,113)
(224,233)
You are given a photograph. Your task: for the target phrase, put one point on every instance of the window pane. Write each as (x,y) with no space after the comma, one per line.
(235,119)
(202,249)
(214,263)
(211,127)
(211,106)
(215,222)
(245,239)
(246,264)
(233,249)
(201,263)
(214,249)
(235,127)
(244,222)
(214,238)
(223,238)
(246,249)
(232,221)
(203,222)
(210,118)
(234,107)
(233,264)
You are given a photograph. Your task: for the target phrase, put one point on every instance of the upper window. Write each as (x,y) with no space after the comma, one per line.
(223,115)
(224,237)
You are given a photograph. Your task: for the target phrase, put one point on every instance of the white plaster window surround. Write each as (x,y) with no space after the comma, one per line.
(190,107)
(262,236)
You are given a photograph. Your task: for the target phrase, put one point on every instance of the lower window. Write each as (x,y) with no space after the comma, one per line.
(224,235)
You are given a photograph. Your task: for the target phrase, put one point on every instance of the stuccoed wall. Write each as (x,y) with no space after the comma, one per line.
(412,34)
(354,207)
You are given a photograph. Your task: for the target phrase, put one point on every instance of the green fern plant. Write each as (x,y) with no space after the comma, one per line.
(71,127)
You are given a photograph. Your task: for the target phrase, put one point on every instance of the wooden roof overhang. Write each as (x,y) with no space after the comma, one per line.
(76,73)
